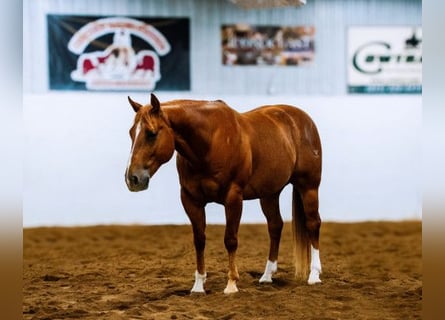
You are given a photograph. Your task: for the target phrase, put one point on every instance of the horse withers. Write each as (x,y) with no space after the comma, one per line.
(225,157)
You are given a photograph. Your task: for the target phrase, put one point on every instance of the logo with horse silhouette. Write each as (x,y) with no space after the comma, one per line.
(118,66)
(118,53)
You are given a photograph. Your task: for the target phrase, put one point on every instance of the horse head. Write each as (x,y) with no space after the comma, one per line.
(152,144)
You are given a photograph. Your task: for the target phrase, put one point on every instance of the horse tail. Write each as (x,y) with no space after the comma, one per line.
(300,235)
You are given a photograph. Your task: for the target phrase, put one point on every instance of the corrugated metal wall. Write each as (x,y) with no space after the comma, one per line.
(327,76)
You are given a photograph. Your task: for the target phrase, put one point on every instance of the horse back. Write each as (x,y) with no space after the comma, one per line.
(285,119)
(285,146)
(261,150)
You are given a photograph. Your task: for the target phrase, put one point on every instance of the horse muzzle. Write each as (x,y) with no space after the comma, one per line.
(137,180)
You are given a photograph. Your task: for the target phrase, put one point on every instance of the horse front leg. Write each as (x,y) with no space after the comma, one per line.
(233,208)
(196,214)
(271,209)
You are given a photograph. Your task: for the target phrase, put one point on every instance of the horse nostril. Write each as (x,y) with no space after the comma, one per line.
(134,180)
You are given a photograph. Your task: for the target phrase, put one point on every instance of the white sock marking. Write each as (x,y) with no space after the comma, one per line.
(271,268)
(200,279)
(314,275)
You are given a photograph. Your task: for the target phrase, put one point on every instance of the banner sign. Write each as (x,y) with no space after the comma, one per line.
(384,59)
(118,53)
(267,45)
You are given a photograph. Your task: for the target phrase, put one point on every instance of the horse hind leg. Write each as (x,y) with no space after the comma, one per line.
(271,210)
(309,197)
(305,215)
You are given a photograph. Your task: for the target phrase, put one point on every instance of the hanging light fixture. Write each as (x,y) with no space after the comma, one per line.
(256,4)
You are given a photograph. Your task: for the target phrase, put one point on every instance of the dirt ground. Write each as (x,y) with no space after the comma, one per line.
(370,271)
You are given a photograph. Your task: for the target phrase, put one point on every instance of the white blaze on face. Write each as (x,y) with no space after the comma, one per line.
(138,130)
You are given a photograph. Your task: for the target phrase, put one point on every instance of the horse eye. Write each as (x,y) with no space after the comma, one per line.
(151,135)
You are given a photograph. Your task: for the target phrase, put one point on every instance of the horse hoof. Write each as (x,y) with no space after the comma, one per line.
(198,286)
(266,279)
(198,293)
(230,291)
(314,278)
(231,287)
(197,290)
(271,268)
(312,282)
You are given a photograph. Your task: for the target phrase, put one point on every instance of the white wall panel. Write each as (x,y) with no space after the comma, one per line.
(75,162)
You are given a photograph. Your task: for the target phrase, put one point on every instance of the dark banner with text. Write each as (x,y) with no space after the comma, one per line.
(118,53)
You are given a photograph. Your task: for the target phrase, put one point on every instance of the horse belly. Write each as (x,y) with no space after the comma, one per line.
(265,183)
(273,165)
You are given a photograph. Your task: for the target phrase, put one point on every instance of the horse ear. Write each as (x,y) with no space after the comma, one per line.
(136,106)
(156,106)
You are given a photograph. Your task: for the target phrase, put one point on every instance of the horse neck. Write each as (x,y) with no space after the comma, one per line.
(191,130)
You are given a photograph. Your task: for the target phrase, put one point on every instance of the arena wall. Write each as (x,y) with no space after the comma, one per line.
(77,143)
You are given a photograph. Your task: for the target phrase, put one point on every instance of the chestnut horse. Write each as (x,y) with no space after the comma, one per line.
(225,157)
